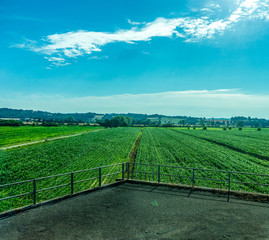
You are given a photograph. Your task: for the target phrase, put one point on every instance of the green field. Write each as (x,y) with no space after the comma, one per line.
(221,150)
(23,134)
(243,151)
(66,155)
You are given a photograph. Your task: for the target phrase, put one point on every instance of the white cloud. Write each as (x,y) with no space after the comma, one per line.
(207,103)
(190,29)
(135,23)
(98,57)
(57,61)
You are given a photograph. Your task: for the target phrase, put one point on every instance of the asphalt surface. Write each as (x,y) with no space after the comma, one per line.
(136,211)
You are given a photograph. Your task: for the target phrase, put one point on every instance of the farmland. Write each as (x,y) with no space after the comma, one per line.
(16,135)
(212,149)
(230,150)
(66,155)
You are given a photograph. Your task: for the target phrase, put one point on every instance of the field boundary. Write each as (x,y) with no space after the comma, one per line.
(48,140)
(133,152)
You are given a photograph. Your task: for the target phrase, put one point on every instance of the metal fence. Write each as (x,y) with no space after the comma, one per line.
(86,179)
(218,179)
(94,178)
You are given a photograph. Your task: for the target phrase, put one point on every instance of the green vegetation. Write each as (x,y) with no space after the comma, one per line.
(118,121)
(16,135)
(233,150)
(221,150)
(10,123)
(71,154)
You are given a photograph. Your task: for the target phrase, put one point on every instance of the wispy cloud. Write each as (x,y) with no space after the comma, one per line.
(57,61)
(190,29)
(207,103)
(135,23)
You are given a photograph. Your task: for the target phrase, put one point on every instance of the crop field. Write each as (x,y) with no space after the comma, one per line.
(230,150)
(66,155)
(211,149)
(16,135)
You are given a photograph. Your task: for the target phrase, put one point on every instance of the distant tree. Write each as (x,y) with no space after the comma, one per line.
(256,125)
(117,121)
(202,122)
(70,120)
(212,122)
(167,125)
(240,123)
(14,123)
(182,122)
(50,124)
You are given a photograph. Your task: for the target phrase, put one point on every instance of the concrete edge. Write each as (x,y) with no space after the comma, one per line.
(259,197)
(15,211)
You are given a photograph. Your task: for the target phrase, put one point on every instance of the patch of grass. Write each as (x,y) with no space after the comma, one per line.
(23,134)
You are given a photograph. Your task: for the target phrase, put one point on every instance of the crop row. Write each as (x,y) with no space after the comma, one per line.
(254,143)
(67,155)
(168,147)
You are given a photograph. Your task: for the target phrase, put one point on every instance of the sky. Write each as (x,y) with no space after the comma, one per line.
(189,58)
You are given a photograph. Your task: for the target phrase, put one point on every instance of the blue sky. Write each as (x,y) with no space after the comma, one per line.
(198,58)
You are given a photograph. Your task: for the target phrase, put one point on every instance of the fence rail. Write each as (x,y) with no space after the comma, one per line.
(143,171)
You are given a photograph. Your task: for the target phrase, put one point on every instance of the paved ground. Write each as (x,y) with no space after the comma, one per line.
(133,211)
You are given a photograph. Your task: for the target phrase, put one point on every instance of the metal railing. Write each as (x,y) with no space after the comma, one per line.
(98,180)
(137,171)
(199,177)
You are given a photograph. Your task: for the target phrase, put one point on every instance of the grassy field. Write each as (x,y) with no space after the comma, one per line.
(231,150)
(16,135)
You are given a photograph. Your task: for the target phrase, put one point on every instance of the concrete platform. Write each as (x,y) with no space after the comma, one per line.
(139,211)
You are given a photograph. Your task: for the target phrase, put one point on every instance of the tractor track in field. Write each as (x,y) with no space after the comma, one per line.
(133,152)
(229,147)
(47,140)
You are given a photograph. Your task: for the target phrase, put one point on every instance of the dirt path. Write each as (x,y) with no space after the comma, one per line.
(47,140)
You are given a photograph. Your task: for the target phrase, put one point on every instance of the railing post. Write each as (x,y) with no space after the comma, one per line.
(159,174)
(100,177)
(72,183)
(193,178)
(127,169)
(229,186)
(122,175)
(34,190)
